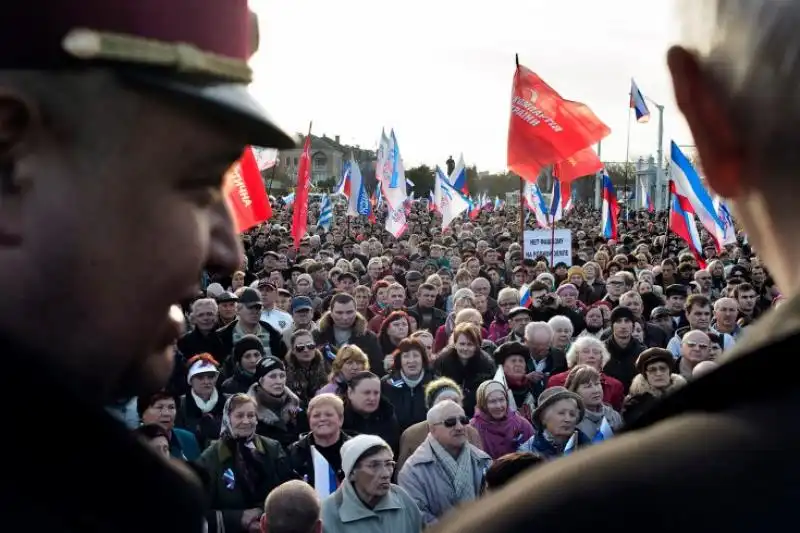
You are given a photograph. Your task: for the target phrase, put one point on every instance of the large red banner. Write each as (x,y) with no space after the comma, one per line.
(245,193)
(300,206)
(582,163)
(545,128)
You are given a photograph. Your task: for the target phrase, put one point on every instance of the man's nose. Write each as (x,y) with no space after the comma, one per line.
(224,249)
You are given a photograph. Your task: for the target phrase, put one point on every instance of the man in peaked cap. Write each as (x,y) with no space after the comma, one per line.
(118,121)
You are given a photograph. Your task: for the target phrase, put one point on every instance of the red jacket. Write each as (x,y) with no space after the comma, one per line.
(613,391)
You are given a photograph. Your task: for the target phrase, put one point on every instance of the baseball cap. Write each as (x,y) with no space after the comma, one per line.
(301,302)
(250,296)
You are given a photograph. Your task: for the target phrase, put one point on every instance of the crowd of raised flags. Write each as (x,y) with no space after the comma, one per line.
(544,130)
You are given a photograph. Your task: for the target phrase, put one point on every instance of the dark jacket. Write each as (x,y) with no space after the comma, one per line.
(438,318)
(478,369)
(543,314)
(204,426)
(239,382)
(172,503)
(231,498)
(382,423)
(302,463)
(710,440)
(276,344)
(361,337)
(195,342)
(622,364)
(654,336)
(408,403)
(555,363)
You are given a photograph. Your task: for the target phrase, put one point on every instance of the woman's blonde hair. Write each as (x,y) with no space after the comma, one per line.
(347,353)
(329,399)
(471,331)
(466,314)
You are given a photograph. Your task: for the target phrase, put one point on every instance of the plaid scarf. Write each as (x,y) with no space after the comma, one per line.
(459,471)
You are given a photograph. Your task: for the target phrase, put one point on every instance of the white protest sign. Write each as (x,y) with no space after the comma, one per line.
(538,242)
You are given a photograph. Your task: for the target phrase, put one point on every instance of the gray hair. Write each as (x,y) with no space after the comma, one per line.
(560,321)
(751,51)
(533,327)
(508,292)
(205,302)
(436,412)
(585,342)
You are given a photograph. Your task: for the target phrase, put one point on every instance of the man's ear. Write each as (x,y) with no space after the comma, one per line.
(264,523)
(18,117)
(317,526)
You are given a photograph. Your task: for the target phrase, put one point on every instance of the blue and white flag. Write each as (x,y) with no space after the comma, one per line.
(358,204)
(288,199)
(728,235)
(452,202)
(325,481)
(533,197)
(395,188)
(325,213)
(604,433)
(638,104)
(572,444)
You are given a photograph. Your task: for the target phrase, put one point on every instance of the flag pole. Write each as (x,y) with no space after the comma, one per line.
(627,166)
(521,192)
(669,215)
(271,178)
(553,217)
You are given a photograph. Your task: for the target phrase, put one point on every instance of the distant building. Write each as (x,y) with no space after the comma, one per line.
(328,156)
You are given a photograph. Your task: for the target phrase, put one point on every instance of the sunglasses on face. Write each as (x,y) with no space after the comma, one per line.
(304,347)
(453,420)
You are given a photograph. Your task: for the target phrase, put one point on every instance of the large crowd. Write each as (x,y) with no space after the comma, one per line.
(411,370)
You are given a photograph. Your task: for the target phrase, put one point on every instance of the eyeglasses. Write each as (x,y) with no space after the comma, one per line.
(453,420)
(375,466)
(304,347)
(693,344)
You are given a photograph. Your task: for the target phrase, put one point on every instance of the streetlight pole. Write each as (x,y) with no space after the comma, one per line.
(660,201)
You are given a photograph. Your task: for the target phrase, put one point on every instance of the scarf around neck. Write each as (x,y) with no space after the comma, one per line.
(206,406)
(412,383)
(459,471)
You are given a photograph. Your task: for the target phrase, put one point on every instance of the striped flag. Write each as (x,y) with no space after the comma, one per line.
(325,482)
(572,444)
(604,433)
(325,213)
(638,104)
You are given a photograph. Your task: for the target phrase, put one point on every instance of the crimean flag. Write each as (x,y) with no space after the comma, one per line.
(582,163)
(300,212)
(245,193)
(545,128)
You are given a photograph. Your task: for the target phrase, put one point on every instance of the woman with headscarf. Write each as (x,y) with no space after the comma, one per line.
(556,420)
(279,414)
(502,430)
(242,467)
(200,411)
(247,352)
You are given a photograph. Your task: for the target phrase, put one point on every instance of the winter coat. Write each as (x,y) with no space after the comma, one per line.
(426,481)
(539,444)
(360,336)
(613,391)
(382,423)
(344,512)
(413,437)
(408,403)
(591,422)
(282,423)
(478,369)
(501,436)
(302,462)
(204,426)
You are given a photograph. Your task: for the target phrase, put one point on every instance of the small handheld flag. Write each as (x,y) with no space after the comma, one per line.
(604,433)
(325,482)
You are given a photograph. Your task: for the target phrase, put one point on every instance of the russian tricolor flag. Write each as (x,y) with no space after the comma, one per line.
(647,201)
(325,482)
(638,104)
(525,296)
(459,176)
(681,222)
(610,212)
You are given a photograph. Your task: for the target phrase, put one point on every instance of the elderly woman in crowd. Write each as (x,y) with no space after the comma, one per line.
(462,299)
(306,368)
(556,420)
(584,380)
(502,430)
(445,471)
(279,414)
(568,293)
(367,501)
(366,411)
(241,467)
(403,387)
(562,332)
(436,391)
(511,358)
(200,411)
(654,379)
(594,279)
(464,362)
(595,322)
(592,352)
(161,409)
(247,352)
(325,418)
(507,299)
(349,361)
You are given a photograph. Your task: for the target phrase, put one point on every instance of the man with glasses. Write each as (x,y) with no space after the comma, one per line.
(615,287)
(248,322)
(446,470)
(694,350)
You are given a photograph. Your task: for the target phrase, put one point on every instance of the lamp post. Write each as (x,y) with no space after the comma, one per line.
(658,188)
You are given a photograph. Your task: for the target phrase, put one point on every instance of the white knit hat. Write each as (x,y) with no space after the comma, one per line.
(200,366)
(353,449)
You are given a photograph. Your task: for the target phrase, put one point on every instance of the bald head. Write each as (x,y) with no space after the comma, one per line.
(293,507)
(726,303)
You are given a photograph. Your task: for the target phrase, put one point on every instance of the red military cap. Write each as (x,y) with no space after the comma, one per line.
(196,50)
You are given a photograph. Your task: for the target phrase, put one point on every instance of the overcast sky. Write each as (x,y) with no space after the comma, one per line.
(439,71)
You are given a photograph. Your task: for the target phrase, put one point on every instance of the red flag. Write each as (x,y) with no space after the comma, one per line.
(544,127)
(245,193)
(300,213)
(583,163)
